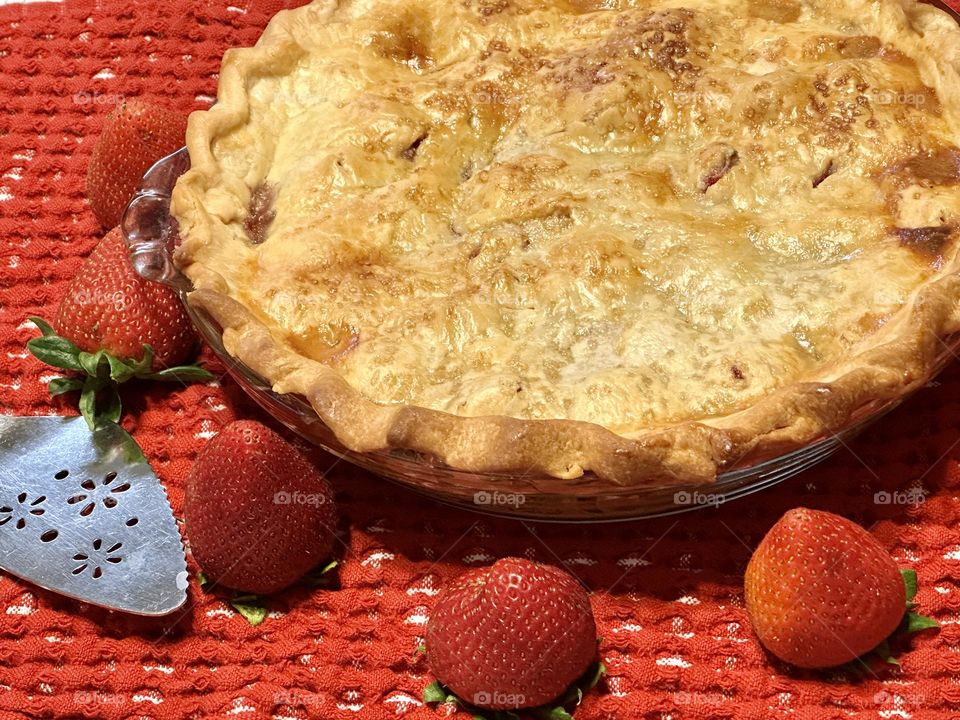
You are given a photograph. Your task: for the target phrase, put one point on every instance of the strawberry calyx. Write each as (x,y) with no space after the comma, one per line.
(561,709)
(100,373)
(912,622)
(321,577)
(253,608)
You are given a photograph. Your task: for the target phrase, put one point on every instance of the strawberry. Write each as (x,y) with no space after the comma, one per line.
(515,634)
(113,326)
(258,515)
(135,135)
(821,591)
(108,305)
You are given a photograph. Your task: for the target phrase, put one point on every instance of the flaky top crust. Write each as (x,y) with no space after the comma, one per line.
(888,363)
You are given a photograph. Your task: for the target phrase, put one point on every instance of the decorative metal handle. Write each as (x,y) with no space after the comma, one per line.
(149,231)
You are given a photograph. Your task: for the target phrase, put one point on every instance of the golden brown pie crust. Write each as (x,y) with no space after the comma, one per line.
(898,358)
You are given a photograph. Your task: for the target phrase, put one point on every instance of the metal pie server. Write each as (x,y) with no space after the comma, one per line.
(83,514)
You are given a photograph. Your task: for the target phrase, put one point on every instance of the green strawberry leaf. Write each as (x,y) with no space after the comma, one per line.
(99,401)
(111,408)
(883,652)
(88,401)
(120,370)
(56,351)
(61,385)
(320,576)
(95,364)
(910,583)
(103,370)
(587,681)
(250,608)
(914,623)
(437,692)
(142,366)
(593,676)
(42,325)
(573,696)
(133,453)
(434,693)
(558,713)
(182,373)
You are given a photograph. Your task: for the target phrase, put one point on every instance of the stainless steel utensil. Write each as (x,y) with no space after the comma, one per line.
(83,514)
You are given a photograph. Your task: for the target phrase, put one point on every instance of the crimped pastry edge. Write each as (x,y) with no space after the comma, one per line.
(902,357)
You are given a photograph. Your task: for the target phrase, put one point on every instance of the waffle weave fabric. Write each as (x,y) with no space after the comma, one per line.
(667,593)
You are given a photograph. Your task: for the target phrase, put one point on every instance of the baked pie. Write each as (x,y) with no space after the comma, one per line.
(645,239)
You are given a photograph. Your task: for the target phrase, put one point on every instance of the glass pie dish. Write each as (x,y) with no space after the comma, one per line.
(151,235)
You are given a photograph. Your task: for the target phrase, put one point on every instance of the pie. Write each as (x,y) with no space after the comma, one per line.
(643,239)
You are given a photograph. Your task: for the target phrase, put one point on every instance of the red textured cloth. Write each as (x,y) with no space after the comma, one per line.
(667,593)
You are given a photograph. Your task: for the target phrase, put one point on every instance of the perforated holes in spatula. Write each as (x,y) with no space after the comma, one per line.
(97,557)
(84,514)
(18,513)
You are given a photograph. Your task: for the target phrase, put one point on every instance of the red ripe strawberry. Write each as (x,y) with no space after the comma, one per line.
(258,515)
(516,634)
(109,306)
(115,326)
(134,136)
(821,591)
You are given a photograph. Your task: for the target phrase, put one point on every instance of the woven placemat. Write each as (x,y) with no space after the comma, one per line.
(667,593)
